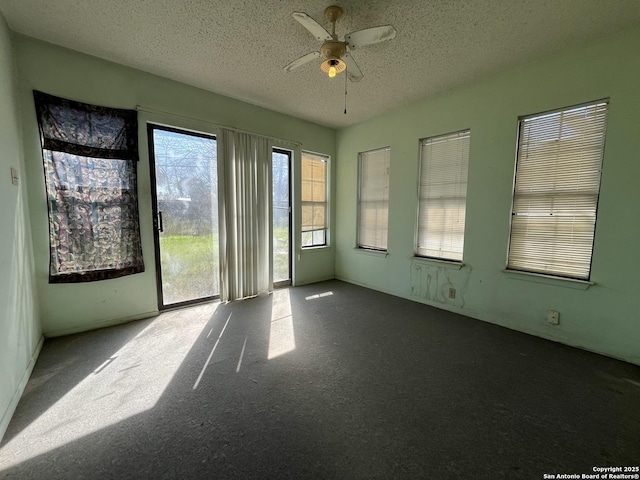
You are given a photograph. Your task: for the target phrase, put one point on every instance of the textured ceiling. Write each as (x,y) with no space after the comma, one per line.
(239,48)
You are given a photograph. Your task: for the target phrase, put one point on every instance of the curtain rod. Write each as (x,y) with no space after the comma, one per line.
(140,108)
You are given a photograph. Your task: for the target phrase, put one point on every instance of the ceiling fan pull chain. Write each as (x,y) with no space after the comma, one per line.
(345,90)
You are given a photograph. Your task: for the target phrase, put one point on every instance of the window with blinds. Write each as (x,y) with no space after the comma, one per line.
(373,199)
(556,191)
(444,162)
(314,199)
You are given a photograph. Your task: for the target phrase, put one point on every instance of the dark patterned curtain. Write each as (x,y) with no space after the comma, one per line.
(90,156)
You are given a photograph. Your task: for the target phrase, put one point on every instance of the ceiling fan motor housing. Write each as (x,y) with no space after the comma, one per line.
(333,49)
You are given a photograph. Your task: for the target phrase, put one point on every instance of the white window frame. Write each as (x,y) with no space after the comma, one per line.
(373,199)
(442,196)
(556,191)
(314,231)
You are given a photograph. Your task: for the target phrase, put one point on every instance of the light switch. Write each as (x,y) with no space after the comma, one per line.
(14,176)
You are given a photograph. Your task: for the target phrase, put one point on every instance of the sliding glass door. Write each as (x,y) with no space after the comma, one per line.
(185,201)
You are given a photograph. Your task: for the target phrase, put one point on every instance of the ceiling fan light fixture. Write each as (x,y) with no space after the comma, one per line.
(333,66)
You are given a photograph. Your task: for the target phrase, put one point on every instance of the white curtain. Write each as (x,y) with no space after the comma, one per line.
(245,198)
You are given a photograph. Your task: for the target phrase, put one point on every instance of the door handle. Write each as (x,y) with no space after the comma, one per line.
(160,225)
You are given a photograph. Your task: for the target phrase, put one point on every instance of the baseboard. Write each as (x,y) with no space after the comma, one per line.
(100,324)
(635,360)
(342,278)
(314,280)
(17,394)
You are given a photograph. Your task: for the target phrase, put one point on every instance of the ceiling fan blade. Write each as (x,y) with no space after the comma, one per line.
(369,36)
(301,61)
(353,71)
(310,24)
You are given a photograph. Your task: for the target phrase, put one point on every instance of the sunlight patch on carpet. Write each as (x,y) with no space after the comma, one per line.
(127,383)
(281,336)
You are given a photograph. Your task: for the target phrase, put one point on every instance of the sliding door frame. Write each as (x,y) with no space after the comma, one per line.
(157,223)
(289,154)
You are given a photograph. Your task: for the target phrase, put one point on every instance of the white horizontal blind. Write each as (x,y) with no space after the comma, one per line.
(556,191)
(373,199)
(314,199)
(443,195)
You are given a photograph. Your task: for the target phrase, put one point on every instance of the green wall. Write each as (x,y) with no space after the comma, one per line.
(20,333)
(69,308)
(605,317)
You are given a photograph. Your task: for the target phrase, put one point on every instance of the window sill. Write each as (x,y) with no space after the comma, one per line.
(437,262)
(316,248)
(373,253)
(549,279)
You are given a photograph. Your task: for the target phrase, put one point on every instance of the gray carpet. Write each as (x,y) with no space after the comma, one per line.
(325,381)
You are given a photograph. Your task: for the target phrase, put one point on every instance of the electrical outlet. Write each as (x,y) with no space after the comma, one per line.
(553,317)
(452,293)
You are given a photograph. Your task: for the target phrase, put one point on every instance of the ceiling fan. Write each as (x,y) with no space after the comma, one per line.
(336,54)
